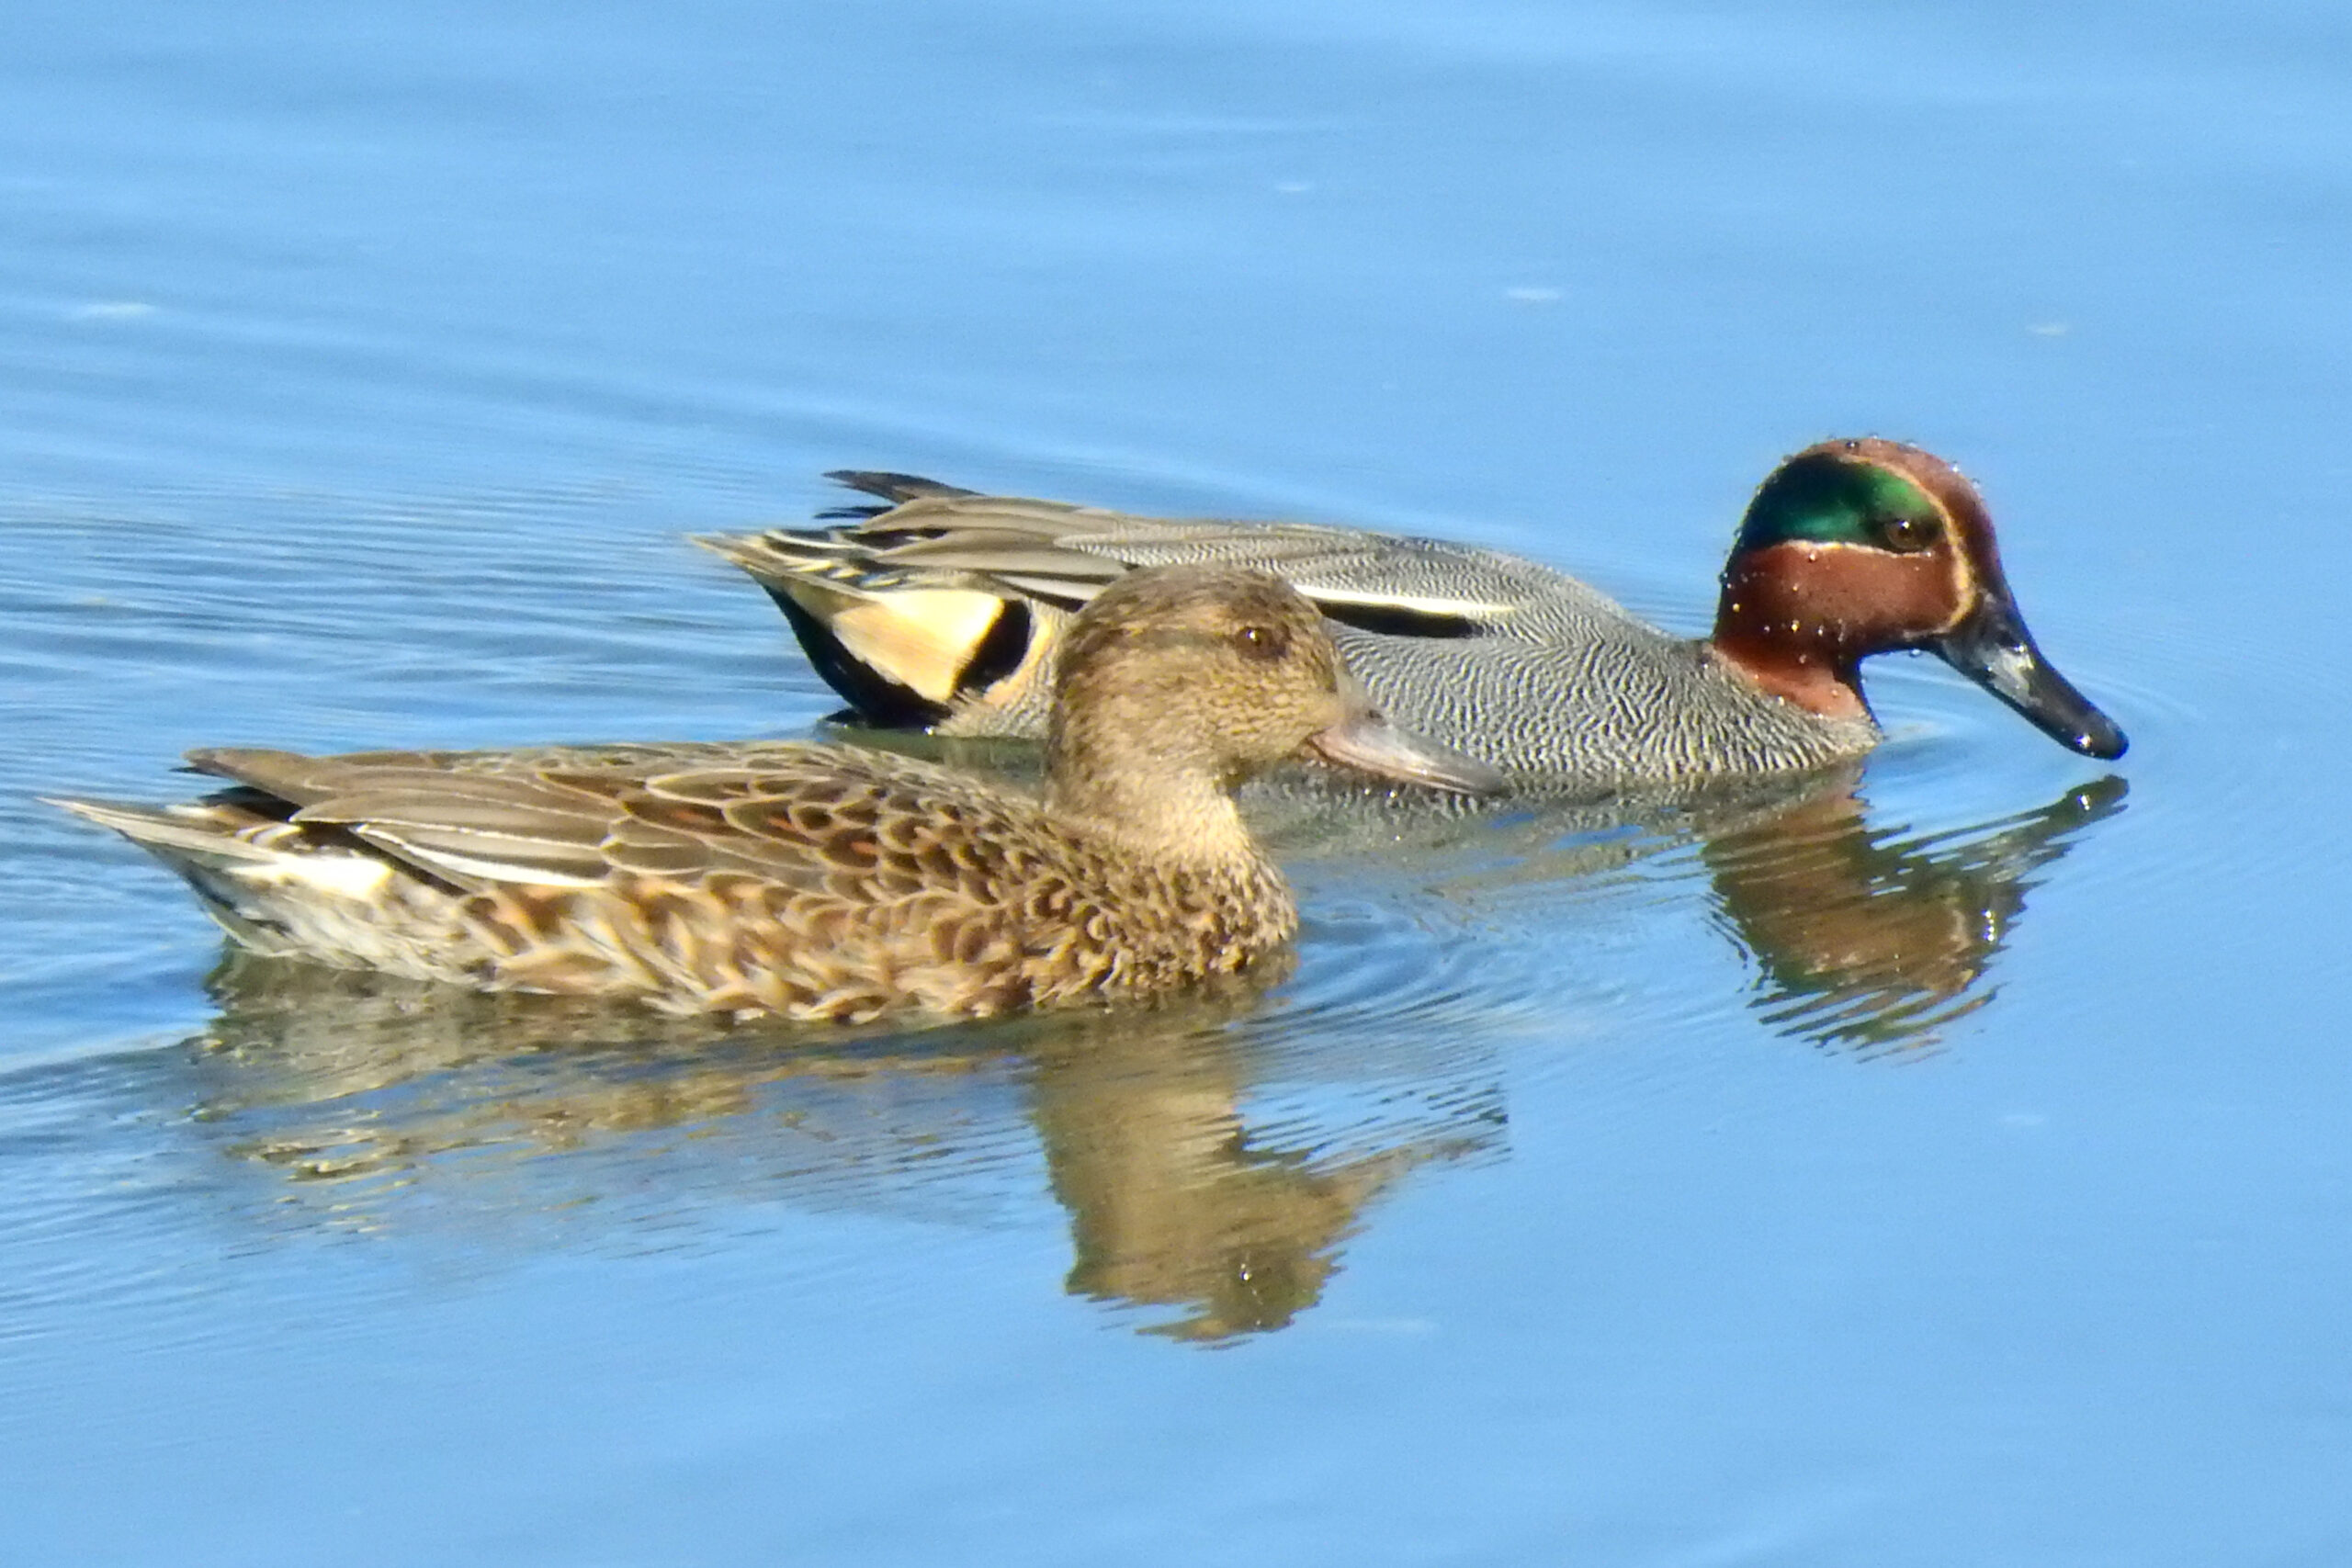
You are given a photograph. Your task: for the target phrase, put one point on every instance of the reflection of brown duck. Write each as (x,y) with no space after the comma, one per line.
(1874,937)
(369,1090)
(1171,1204)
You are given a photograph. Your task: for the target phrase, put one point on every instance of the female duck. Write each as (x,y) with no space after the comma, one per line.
(820,881)
(942,609)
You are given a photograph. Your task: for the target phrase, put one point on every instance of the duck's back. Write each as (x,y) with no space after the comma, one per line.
(816,882)
(1619,703)
(1478,649)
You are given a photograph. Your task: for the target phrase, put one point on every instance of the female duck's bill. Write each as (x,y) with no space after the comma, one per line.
(1366,742)
(819,883)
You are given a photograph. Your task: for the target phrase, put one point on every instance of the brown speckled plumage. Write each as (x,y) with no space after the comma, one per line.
(816,882)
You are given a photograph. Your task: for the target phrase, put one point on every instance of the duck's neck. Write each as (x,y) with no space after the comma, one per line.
(1816,680)
(1118,767)
(1783,625)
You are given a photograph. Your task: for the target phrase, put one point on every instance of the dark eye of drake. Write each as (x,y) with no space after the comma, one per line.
(1260,642)
(1897,532)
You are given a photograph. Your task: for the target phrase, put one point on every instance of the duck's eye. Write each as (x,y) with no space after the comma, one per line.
(1896,532)
(1260,642)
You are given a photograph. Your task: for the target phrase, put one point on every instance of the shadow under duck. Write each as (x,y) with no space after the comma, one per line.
(941,609)
(820,881)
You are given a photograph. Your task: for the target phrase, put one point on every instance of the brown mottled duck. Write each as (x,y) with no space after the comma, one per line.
(821,881)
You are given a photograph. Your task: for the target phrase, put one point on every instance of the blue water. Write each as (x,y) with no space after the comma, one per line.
(1948,1168)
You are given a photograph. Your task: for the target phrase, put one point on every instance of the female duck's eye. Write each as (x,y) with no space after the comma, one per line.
(1901,533)
(1260,642)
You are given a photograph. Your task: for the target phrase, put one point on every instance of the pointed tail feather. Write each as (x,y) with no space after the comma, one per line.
(216,835)
(894,487)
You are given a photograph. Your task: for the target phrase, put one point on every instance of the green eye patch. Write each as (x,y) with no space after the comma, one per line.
(1823,498)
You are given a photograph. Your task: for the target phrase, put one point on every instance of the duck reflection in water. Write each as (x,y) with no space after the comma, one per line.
(1173,1203)
(1873,937)
(1864,935)
(394,1105)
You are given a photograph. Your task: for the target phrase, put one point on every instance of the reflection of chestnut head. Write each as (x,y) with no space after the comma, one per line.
(1876,938)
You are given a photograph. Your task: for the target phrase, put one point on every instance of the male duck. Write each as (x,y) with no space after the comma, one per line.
(941,610)
(820,881)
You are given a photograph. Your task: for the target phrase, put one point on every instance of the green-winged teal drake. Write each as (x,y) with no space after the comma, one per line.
(820,881)
(941,609)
